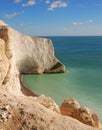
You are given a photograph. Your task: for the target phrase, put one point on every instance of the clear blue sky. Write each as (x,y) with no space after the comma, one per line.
(53,17)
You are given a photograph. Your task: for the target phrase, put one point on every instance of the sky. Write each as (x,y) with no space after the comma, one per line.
(53,17)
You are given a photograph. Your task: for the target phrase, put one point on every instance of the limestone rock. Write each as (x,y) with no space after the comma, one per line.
(70,107)
(4,63)
(19,54)
(48,103)
(29,55)
(29,114)
(86,116)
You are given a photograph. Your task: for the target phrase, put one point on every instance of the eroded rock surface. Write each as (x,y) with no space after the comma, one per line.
(4,63)
(34,113)
(29,54)
(70,107)
(21,54)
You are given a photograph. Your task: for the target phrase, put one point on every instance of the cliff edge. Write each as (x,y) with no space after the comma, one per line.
(20,108)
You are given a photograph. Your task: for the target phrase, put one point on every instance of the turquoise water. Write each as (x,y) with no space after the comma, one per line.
(82,57)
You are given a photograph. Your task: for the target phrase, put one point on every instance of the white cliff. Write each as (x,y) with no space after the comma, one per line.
(21,54)
(28,55)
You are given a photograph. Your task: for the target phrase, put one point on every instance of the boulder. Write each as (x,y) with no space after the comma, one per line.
(22,54)
(70,107)
(86,116)
(34,113)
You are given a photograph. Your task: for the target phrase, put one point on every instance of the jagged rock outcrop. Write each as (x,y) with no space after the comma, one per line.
(19,112)
(70,107)
(21,54)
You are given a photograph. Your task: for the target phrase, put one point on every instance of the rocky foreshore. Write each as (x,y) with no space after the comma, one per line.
(20,108)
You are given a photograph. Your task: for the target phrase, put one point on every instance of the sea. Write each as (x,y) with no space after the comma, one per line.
(82,56)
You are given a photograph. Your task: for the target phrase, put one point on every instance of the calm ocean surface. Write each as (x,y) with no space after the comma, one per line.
(82,57)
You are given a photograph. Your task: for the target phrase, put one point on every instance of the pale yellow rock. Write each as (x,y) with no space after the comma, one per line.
(48,103)
(29,54)
(28,113)
(4,63)
(24,54)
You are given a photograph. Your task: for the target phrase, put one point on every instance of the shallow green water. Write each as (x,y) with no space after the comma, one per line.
(83,79)
(75,83)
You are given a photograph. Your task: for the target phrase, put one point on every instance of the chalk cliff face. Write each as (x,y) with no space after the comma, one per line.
(31,55)
(4,63)
(21,54)
(26,55)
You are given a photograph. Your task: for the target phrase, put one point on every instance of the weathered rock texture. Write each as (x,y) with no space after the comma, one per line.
(4,63)
(18,112)
(23,54)
(70,107)
(28,55)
